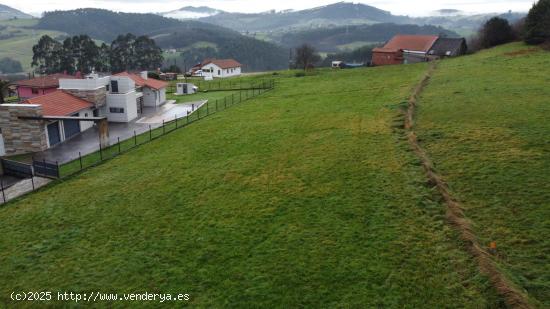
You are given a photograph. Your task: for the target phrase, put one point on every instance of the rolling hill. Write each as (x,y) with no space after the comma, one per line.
(346,13)
(310,196)
(170,33)
(7,12)
(346,37)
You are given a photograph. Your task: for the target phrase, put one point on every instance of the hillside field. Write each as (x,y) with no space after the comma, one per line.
(485,121)
(19,47)
(309,196)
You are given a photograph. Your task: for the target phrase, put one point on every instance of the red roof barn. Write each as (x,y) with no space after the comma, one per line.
(393,52)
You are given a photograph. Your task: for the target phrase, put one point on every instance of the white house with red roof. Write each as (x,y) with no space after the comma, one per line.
(221,68)
(154,90)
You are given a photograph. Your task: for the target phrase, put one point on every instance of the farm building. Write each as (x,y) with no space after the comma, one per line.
(403,49)
(30,88)
(448,47)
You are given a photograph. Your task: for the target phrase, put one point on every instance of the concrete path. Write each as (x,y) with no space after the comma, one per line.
(88,141)
(23,187)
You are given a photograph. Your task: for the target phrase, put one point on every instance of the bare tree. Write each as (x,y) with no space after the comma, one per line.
(306,56)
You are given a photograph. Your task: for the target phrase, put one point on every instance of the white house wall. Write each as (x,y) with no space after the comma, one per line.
(153,98)
(85,125)
(219,72)
(127,101)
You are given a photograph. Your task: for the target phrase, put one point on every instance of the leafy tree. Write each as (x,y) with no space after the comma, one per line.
(47,55)
(103,62)
(122,54)
(4,84)
(147,54)
(496,31)
(8,65)
(172,69)
(306,56)
(537,23)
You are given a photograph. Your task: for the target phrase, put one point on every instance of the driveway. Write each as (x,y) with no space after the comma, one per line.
(88,141)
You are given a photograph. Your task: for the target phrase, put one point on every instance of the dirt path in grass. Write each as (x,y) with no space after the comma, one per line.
(513,296)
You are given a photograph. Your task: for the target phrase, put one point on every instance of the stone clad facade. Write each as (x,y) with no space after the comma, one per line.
(97,96)
(22,135)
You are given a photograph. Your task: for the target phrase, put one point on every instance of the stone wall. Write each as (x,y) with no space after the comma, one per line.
(22,135)
(98,96)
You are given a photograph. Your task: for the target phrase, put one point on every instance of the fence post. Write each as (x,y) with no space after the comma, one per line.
(150,133)
(2,185)
(100,152)
(163,130)
(32,182)
(80,159)
(118,138)
(224,102)
(207,108)
(135,138)
(176,119)
(216,105)
(187,118)
(232,98)
(58,174)
(240,96)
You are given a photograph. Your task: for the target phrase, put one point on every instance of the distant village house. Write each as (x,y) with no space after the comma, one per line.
(405,49)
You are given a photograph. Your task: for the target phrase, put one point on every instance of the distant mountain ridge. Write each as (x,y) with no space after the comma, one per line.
(332,40)
(7,12)
(346,13)
(197,39)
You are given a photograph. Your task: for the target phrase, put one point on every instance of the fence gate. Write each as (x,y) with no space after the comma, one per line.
(46,169)
(17,169)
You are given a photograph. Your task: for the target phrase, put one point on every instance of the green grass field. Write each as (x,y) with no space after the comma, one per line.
(309,196)
(20,47)
(485,121)
(304,196)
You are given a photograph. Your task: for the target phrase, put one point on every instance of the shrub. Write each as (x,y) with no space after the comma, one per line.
(300,74)
(496,31)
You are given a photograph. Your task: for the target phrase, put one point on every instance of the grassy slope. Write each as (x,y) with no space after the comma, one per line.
(302,197)
(20,48)
(485,121)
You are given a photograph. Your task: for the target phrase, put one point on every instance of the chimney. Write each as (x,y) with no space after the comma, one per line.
(143,74)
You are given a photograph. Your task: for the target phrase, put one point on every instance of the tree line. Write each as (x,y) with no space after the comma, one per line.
(534,29)
(81,54)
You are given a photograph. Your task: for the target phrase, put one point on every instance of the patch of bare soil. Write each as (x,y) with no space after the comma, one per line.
(514,297)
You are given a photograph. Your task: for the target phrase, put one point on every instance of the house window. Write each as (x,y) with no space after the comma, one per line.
(114,86)
(34,91)
(219,72)
(116,110)
(86,115)
(107,88)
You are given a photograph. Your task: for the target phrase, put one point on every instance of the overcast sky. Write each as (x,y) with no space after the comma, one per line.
(400,7)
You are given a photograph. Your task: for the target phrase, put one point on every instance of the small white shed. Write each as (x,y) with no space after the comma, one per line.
(186,88)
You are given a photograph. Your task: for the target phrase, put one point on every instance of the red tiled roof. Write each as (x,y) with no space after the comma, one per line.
(47,81)
(149,82)
(384,50)
(223,63)
(411,42)
(59,103)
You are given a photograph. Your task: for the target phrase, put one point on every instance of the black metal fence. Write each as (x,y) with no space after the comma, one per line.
(123,145)
(223,84)
(23,171)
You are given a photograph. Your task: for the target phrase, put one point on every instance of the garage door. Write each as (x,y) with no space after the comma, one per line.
(72,128)
(53,133)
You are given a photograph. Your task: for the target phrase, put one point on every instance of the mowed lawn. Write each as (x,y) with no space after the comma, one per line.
(485,121)
(302,197)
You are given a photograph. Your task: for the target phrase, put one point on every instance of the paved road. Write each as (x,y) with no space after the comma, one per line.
(88,141)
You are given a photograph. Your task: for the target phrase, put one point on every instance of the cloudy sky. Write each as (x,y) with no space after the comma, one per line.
(401,7)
